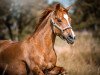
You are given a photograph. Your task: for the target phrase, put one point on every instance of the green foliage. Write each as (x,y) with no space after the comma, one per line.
(87,14)
(18,17)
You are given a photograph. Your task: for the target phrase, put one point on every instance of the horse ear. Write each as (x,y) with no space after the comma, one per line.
(68,8)
(57,6)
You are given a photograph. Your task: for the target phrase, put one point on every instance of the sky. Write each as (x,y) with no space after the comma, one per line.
(66,3)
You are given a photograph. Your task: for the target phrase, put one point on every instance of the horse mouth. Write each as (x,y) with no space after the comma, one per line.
(70,41)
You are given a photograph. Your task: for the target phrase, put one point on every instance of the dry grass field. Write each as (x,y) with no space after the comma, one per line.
(82,58)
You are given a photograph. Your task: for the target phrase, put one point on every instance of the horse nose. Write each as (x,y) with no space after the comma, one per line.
(71,37)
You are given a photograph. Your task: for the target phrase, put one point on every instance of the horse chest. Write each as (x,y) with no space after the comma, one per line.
(45,60)
(50,59)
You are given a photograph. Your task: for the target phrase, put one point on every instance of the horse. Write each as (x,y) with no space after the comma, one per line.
(36,55)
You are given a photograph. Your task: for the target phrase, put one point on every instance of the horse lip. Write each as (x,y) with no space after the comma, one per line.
(70,41)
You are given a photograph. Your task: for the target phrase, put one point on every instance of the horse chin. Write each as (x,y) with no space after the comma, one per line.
(70,42)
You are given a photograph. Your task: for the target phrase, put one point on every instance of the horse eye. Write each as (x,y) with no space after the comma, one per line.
(59,20)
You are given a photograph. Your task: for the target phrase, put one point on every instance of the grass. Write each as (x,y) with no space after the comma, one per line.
(82,58)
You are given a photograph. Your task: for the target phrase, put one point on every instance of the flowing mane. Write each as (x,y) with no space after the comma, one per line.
(43,16)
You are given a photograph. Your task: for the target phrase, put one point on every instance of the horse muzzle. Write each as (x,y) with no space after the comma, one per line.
(70,39)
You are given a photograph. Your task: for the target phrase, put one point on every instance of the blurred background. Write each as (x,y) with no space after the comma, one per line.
(19,17)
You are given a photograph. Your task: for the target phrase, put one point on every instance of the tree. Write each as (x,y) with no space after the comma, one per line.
(19,16)
(87,14)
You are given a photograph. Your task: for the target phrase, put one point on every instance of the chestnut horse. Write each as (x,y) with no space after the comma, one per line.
(36,55)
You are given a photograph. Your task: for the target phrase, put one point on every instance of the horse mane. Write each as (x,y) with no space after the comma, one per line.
(43,16)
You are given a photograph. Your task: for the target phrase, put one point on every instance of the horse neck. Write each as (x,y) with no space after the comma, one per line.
(44,36)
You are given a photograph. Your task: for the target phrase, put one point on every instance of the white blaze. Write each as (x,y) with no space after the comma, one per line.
(66,17)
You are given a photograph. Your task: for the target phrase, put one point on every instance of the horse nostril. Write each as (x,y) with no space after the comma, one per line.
(71,37)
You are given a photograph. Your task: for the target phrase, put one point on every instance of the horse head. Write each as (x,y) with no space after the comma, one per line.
(62,24)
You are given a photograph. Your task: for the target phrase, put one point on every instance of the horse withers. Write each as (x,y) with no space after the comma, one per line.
(36,54)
